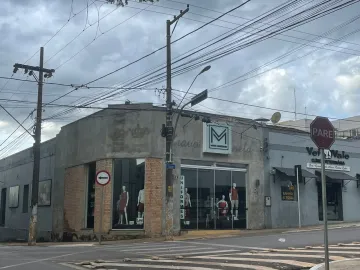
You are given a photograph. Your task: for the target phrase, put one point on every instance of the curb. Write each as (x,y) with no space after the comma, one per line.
(321,266)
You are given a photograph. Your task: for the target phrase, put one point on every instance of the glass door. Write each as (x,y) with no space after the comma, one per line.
(188,199)
(239,183)
(206,203)
(223,200)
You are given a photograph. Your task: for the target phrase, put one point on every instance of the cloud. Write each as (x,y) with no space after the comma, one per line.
(82,49)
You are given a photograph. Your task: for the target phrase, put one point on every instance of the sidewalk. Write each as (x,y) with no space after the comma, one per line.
(340,265)
(200,234)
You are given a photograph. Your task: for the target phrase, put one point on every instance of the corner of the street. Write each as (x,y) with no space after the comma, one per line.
(340,265)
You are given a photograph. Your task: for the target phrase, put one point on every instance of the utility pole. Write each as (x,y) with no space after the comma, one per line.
(168,132)
(37,137)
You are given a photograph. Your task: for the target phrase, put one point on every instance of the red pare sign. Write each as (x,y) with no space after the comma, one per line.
(322,132)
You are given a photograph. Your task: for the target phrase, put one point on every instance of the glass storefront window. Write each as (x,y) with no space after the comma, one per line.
(188,199)
(218,198)
(128,194)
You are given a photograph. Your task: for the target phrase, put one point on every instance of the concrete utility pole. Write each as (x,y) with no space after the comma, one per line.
(168,132)
(37,137)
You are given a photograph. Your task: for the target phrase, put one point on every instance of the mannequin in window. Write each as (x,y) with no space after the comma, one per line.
(234,199)
(122,204)
(140,204)
(187,203)
(223,206)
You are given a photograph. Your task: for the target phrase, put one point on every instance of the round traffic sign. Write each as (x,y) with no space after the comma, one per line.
(322,132)
(103,178)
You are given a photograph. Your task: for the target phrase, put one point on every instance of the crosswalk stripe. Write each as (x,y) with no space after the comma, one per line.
(150,248)
(128,265)
(316,251)
(200,252)
(268,254)
(170,250)
(289,262)
(235,265)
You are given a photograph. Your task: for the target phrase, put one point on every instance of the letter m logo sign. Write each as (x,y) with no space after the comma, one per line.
(219,137)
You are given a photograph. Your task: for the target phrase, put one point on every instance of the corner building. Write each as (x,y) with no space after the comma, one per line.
(219,176)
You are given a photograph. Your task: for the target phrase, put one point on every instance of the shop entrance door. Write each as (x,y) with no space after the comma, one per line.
(3,207)
(334,201)
(212,198)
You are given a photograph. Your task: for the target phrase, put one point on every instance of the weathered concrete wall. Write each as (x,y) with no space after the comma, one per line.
(287,150)
(17,170)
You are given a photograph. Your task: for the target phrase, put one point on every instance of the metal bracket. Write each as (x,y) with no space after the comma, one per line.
(343,185)
(305,182)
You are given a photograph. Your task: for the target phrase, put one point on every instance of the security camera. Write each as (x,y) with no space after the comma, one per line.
(261,148)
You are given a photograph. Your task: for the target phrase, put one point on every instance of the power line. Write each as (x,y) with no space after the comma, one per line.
(287,6)
(247,19)
(216,50)
(176,40)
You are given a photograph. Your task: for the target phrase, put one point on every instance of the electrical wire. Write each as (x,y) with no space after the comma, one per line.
(209,60)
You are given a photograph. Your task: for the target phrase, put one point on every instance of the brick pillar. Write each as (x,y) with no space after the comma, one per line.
(154,196)
(74,198)
(104,192)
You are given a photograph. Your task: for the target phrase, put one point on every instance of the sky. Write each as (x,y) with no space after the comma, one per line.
(317,62)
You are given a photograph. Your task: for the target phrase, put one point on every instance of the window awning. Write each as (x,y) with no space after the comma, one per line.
(337,175)
(291,172)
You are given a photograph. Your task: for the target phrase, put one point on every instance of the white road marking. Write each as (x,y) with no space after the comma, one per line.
(246,266)
(229,246)
(73,245)
(169,250)
(156,266)
(46,259)
(316,251)
(72,266)
(289,262)
(268,254)
(231,251)
(151,249)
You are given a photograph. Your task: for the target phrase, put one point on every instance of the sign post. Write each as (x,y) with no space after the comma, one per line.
(102,179)
(322,132)
(298,175)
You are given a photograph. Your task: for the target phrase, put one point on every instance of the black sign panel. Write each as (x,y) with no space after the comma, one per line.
(288,193)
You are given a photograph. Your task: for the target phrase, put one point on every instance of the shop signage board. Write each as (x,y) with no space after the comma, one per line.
(331,167)
(288,193)
(182,197)
(217,138)
(102,178)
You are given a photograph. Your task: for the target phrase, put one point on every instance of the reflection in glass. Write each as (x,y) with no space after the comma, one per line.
(128,194)
(222,190)
(14,197)
(206,202)
(239,183)
(188,199)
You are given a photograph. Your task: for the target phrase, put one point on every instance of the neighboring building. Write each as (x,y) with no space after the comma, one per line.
(287,149)
(227,176)
(301,124)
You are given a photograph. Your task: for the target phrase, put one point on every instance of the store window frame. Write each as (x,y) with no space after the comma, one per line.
(113,190)
(239,168)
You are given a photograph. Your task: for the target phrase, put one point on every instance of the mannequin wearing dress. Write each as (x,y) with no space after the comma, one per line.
(234,199)
(222,206)
(122,204)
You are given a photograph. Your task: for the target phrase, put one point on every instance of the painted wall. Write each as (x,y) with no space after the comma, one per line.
(287,150)
(17,170)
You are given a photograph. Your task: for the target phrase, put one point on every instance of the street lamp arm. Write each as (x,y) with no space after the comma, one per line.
(178,117)
(188,91)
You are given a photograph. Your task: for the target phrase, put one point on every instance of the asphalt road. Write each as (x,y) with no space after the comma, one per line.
(198,252)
